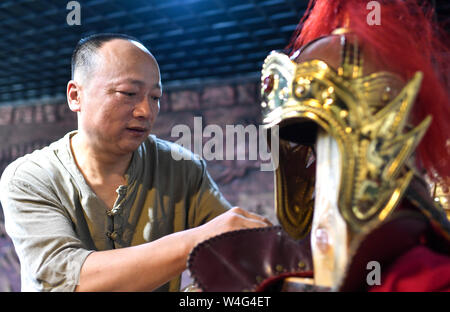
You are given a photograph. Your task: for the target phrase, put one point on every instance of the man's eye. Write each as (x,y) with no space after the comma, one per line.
(127,93)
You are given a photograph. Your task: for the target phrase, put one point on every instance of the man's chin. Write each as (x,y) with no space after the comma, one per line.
(129,145)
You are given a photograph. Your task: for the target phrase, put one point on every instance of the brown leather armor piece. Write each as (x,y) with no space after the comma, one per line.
(243,260)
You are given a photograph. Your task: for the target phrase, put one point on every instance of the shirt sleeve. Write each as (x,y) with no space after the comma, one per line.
(50,253)
(208,201)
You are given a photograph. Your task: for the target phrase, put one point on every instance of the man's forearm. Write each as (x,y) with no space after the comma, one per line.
(148,266)
(138,268)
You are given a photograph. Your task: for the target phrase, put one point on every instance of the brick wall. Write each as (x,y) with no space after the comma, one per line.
(32,125)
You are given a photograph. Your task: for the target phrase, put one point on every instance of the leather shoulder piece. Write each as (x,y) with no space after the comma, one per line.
(242,260)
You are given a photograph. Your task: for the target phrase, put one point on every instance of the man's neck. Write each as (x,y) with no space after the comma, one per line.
(98,166)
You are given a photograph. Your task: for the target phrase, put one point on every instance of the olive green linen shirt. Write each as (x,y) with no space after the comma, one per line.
(55,219)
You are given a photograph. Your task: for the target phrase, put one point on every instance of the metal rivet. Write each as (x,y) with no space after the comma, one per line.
(299,90)
(328,102)
(386,94)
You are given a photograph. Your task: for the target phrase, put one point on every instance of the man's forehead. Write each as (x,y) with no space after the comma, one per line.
(122,55)
(139,83)
(141,46)
(120,46)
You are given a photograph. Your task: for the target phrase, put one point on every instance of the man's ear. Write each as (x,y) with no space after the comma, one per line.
(73,96)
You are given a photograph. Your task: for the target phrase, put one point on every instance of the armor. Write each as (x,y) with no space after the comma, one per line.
(349,188)
(362,149)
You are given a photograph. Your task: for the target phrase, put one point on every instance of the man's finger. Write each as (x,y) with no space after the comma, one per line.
(251,215)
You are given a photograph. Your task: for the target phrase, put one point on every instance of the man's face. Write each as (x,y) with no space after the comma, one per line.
(120,99)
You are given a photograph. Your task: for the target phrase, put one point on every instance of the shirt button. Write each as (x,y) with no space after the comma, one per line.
(113,212)
(112,235)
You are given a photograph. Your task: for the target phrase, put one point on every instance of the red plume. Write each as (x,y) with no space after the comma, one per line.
(407,40)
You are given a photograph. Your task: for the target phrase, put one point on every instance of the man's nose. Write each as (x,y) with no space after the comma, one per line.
(143,109)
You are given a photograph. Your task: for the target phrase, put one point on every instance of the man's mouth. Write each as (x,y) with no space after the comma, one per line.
(137,130)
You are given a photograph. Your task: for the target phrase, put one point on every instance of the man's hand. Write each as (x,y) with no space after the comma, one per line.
(232,220)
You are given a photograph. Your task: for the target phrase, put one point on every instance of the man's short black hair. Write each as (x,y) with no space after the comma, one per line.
(88,46)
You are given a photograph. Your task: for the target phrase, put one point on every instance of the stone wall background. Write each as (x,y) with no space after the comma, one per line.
(33,125)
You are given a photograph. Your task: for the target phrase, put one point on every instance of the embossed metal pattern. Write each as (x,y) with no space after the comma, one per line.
(369,124)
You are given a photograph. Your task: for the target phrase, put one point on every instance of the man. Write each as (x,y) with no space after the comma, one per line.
(107,208)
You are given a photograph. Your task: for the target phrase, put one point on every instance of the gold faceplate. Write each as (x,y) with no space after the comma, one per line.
(367,122)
